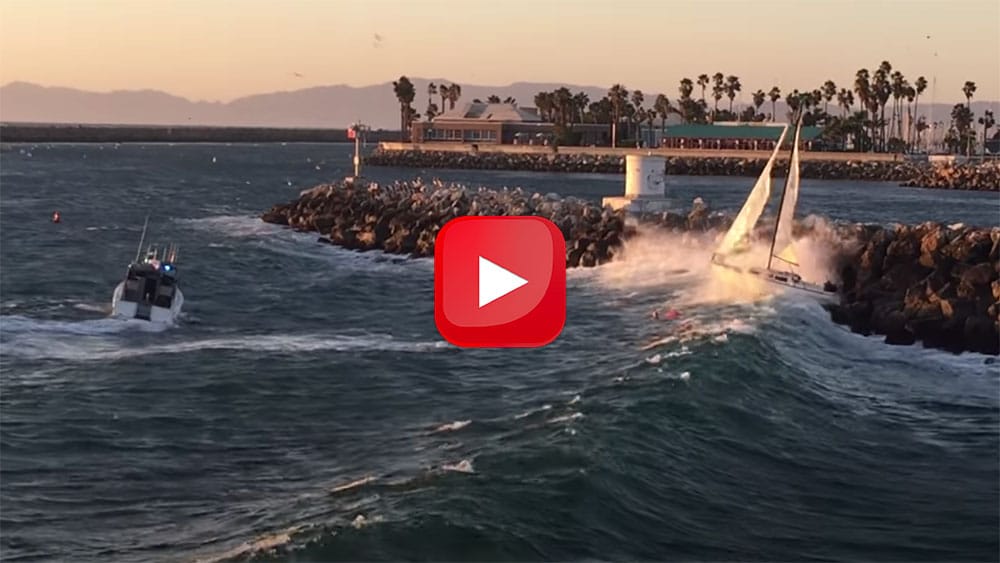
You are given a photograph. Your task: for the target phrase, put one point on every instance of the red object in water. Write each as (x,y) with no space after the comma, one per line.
(672,314)
(55,217)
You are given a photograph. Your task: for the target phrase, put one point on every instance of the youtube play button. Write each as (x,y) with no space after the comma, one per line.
(500,281)
(495,282)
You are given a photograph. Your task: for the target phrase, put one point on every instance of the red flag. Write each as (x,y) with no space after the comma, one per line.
(351,134)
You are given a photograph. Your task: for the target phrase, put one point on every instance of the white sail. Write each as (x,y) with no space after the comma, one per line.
(784,244)
(739,233)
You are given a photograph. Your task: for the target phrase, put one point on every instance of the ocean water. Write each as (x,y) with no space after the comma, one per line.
(305,408)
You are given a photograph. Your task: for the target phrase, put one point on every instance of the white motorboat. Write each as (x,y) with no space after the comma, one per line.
(782,248)
(150,290)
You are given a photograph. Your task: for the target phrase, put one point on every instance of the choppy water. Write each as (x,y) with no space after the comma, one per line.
(306,402)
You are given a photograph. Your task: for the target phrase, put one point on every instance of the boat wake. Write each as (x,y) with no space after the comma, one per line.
(94,341)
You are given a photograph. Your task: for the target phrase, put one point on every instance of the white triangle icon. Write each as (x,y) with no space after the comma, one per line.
(495,282)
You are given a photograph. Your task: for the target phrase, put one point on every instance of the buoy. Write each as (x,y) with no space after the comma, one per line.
(55,217)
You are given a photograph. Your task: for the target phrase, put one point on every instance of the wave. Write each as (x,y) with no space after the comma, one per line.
(37,340)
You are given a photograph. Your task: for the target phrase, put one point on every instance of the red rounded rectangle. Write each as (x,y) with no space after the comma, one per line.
(500,282)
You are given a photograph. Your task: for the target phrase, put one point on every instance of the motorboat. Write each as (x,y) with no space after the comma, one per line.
(150,290)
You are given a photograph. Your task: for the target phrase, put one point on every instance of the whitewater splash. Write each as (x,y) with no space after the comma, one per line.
(682,262)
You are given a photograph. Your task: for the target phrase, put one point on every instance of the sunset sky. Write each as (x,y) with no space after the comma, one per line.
(219,50)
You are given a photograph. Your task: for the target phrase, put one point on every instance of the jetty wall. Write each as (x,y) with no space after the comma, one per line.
(983,176)
(928,283)
(72,133)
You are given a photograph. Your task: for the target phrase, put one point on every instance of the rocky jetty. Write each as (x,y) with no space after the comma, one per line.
(930,283)
(983,177)
(405,217)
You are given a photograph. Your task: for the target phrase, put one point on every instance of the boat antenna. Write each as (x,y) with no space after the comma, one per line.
(142,239)
(784,190)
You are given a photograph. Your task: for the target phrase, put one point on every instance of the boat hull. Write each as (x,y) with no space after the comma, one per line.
(122,309)
(783,279)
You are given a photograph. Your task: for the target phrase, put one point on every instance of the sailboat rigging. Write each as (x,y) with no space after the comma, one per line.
(782,246)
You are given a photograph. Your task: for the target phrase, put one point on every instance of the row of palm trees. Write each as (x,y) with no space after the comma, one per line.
(406,93)
(868,126)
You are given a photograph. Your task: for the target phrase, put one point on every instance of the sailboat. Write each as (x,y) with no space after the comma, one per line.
(782,259)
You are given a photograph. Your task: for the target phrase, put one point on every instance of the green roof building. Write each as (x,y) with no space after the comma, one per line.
(732,136)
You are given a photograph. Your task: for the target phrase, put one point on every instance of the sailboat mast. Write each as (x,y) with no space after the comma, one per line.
(784,190)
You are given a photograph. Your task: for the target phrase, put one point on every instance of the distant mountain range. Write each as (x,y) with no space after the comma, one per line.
(319,107)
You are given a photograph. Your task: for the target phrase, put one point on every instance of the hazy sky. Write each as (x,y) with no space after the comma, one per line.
(218,50)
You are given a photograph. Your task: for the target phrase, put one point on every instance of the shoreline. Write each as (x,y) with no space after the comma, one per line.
(816,165)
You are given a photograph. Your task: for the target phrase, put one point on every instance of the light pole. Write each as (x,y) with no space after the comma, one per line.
(355,132)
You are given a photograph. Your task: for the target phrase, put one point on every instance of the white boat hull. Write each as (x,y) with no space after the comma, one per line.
(785,280)
(125,310)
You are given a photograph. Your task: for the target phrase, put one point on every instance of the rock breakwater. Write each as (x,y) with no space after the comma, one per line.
(931,283)
(984,176)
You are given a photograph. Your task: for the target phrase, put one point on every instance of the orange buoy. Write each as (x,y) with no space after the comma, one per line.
(55,217)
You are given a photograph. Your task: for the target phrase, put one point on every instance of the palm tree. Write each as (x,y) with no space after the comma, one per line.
(637,100)
(921,85)
(732,87)
(718,90)
(882,91)
(405,93)
(829,90)
(454,93)
(618,96)
(431,108)
(580,102)
(898,90)
(493,99)
(775,95)
(758,100)
(969,89)
(686,88)
(703,82)
(443,92)
(863,88)
(661,106)
(845,99)
(987,122)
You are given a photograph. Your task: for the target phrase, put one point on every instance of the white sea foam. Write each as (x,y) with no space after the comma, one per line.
(45,344)
(464,466)
(452,426)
